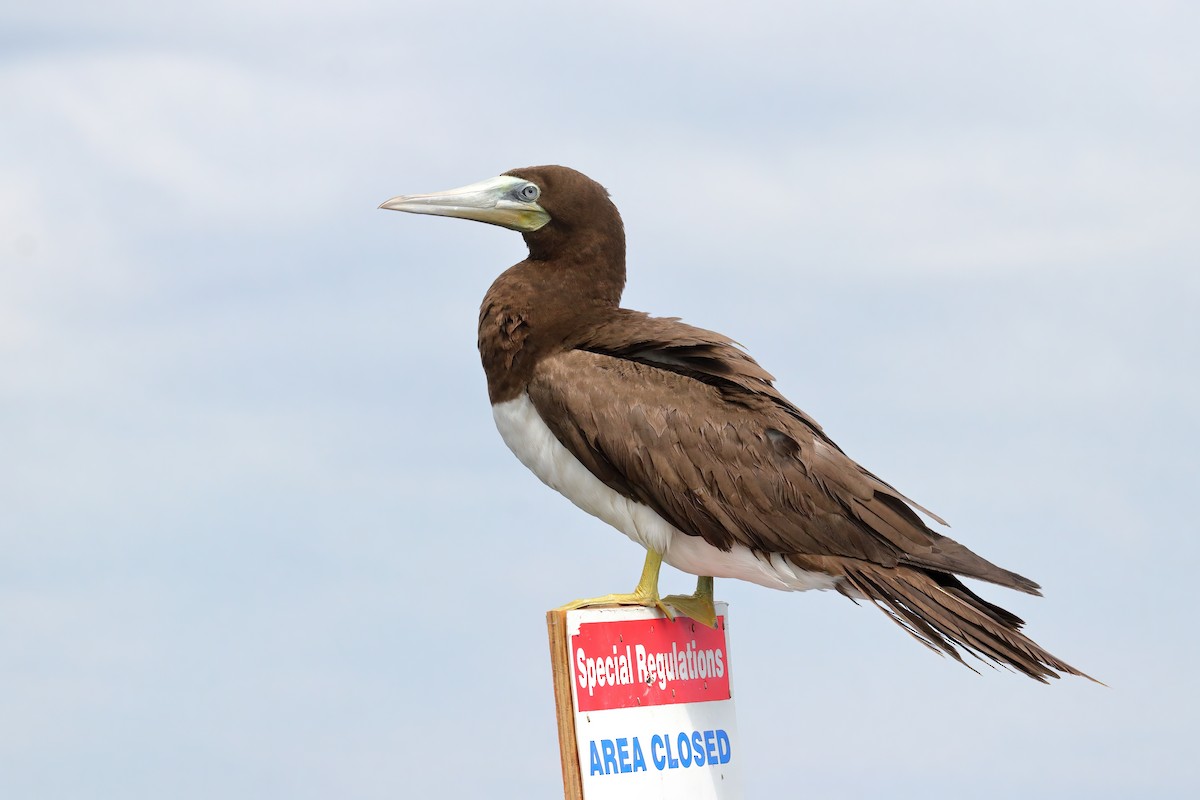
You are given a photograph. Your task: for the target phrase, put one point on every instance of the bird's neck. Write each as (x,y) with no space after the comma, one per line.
(595,254)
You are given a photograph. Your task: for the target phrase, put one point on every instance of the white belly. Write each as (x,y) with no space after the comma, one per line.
(538,449)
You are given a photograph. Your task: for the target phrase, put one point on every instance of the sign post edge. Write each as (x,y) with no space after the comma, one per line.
(564,704)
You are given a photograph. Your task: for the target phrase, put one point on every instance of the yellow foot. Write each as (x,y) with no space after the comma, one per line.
(645,594)
(634,598)
(699,605)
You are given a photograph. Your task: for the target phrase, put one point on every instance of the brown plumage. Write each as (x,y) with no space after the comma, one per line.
(681,420)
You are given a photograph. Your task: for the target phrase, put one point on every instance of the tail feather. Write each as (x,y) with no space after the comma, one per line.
(944,615)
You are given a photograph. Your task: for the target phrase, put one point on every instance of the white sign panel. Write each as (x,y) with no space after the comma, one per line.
(653,705)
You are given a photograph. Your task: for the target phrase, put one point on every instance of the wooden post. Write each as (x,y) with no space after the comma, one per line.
(560,669)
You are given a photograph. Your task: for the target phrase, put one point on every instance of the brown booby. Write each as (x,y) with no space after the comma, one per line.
(677,438)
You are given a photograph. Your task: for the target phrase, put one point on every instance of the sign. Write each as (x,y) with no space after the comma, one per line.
(651,705)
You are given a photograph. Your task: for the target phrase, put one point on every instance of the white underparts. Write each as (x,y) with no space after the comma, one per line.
(538,449)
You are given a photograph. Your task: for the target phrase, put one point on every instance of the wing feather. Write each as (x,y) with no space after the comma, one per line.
(686,423)
(681,420)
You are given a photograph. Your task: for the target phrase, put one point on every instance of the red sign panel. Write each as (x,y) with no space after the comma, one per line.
(649,662)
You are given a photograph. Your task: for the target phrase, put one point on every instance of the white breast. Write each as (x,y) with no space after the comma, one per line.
(539,449)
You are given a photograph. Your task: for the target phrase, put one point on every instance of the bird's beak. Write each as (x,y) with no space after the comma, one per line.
(497,201)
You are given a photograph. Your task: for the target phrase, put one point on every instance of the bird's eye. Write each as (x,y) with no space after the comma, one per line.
(529,192)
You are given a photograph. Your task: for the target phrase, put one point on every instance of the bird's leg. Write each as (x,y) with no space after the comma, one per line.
(698,605)
(645,594)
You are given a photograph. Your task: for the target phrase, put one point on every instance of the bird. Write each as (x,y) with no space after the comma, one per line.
(675,436)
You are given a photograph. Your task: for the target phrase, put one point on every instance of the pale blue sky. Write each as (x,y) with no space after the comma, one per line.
(260,539)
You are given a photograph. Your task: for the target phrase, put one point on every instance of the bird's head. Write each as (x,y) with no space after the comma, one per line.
(553,207)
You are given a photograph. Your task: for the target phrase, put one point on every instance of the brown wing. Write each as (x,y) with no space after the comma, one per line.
(742,465)
(696,431)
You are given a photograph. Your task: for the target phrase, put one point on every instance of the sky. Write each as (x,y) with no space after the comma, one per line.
(259,537)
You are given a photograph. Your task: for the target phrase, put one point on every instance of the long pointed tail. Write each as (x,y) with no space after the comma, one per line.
(943,614)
